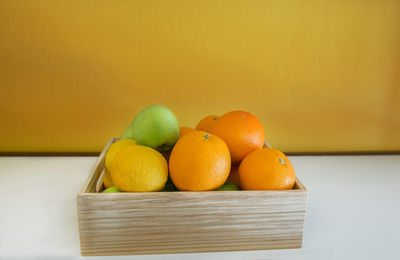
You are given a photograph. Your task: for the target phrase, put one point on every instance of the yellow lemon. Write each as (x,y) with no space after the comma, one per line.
(107,180)
(114,148)
(139,168)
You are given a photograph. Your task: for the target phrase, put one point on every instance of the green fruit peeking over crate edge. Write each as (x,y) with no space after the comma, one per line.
(111,190)
(155,126)
(228,185)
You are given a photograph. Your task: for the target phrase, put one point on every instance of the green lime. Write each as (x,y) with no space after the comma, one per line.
(228,185)
(127,133)
(111,190)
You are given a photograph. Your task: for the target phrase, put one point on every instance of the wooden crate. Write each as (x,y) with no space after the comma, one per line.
(187,222)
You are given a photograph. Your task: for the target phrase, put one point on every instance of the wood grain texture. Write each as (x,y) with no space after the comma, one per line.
(183,222)
(97,171)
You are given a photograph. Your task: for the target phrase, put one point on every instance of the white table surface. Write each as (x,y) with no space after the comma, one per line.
(353,209)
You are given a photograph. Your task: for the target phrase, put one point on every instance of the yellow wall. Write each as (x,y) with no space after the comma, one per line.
(320,75)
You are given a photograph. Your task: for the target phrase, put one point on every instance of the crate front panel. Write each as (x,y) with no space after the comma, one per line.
(179,222)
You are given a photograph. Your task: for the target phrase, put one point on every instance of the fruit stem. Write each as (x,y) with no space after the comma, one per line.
(206,136)
(281,161)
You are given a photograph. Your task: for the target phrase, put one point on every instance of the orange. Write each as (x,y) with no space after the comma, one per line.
(199,161)
(207,123)
(184,130)
(266,169)
(234,176)
(241,131)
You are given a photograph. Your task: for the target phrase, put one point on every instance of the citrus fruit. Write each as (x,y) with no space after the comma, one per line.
(207,123)
(184,130)
(114,148)
(127,133)
(107,179)
(139,168)
(234,176)
(157,127)
(266,169)
(199,161)
(228,185)
(241,131)
(111,190)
